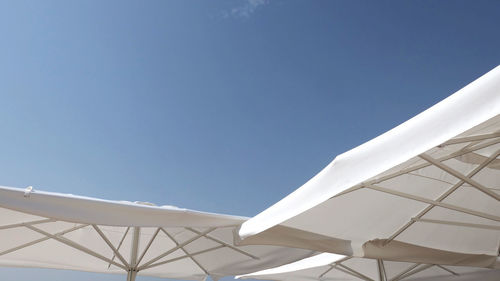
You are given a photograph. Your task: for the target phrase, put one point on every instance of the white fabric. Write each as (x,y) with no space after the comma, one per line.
(82,209)
(336,267)
(307,263)
(50,230)
(348,200)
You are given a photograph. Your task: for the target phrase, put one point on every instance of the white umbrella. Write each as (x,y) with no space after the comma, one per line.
(332,267)
(426,191)
(50,230)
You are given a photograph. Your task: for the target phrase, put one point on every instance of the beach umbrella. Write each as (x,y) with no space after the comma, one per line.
(332,267)
(51,230)
(426,191)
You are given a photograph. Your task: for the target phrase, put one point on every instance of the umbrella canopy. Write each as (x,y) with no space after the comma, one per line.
(426,191)
(50,230)
(333,267)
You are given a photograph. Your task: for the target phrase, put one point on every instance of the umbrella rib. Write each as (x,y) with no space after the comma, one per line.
(355,272)
(395,278)
(418,167)
(456,223)
(115,251)
(185,252)
(330,267)
(459,175)
(175,248)
(75,246)
(472,143)
(450,271)
(430,178)
(408,274)
(40,240)
(333,265)
(444,158)
(446,194)
(435,203)
(348,272)
(472,138)
(25,223)
(148,245)
(182,257)
(223,243)
(119,244)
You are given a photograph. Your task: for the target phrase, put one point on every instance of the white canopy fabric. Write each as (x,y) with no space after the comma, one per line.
(325,267)
(51,230)
(426,191)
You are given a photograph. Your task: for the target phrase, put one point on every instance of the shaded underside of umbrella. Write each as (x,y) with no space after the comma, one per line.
(326,267)
(49,230)
(427,191)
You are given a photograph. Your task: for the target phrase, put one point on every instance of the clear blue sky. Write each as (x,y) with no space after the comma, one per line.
(221,106)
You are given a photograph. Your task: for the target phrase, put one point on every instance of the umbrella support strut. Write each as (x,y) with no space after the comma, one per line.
(381,270)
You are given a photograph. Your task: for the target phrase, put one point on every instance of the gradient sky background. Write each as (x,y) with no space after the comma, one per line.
(220,106)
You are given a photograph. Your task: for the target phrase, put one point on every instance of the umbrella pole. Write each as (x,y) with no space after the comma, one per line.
(132,272)
(131,275)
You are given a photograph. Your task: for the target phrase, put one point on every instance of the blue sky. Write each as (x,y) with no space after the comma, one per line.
(221,106)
